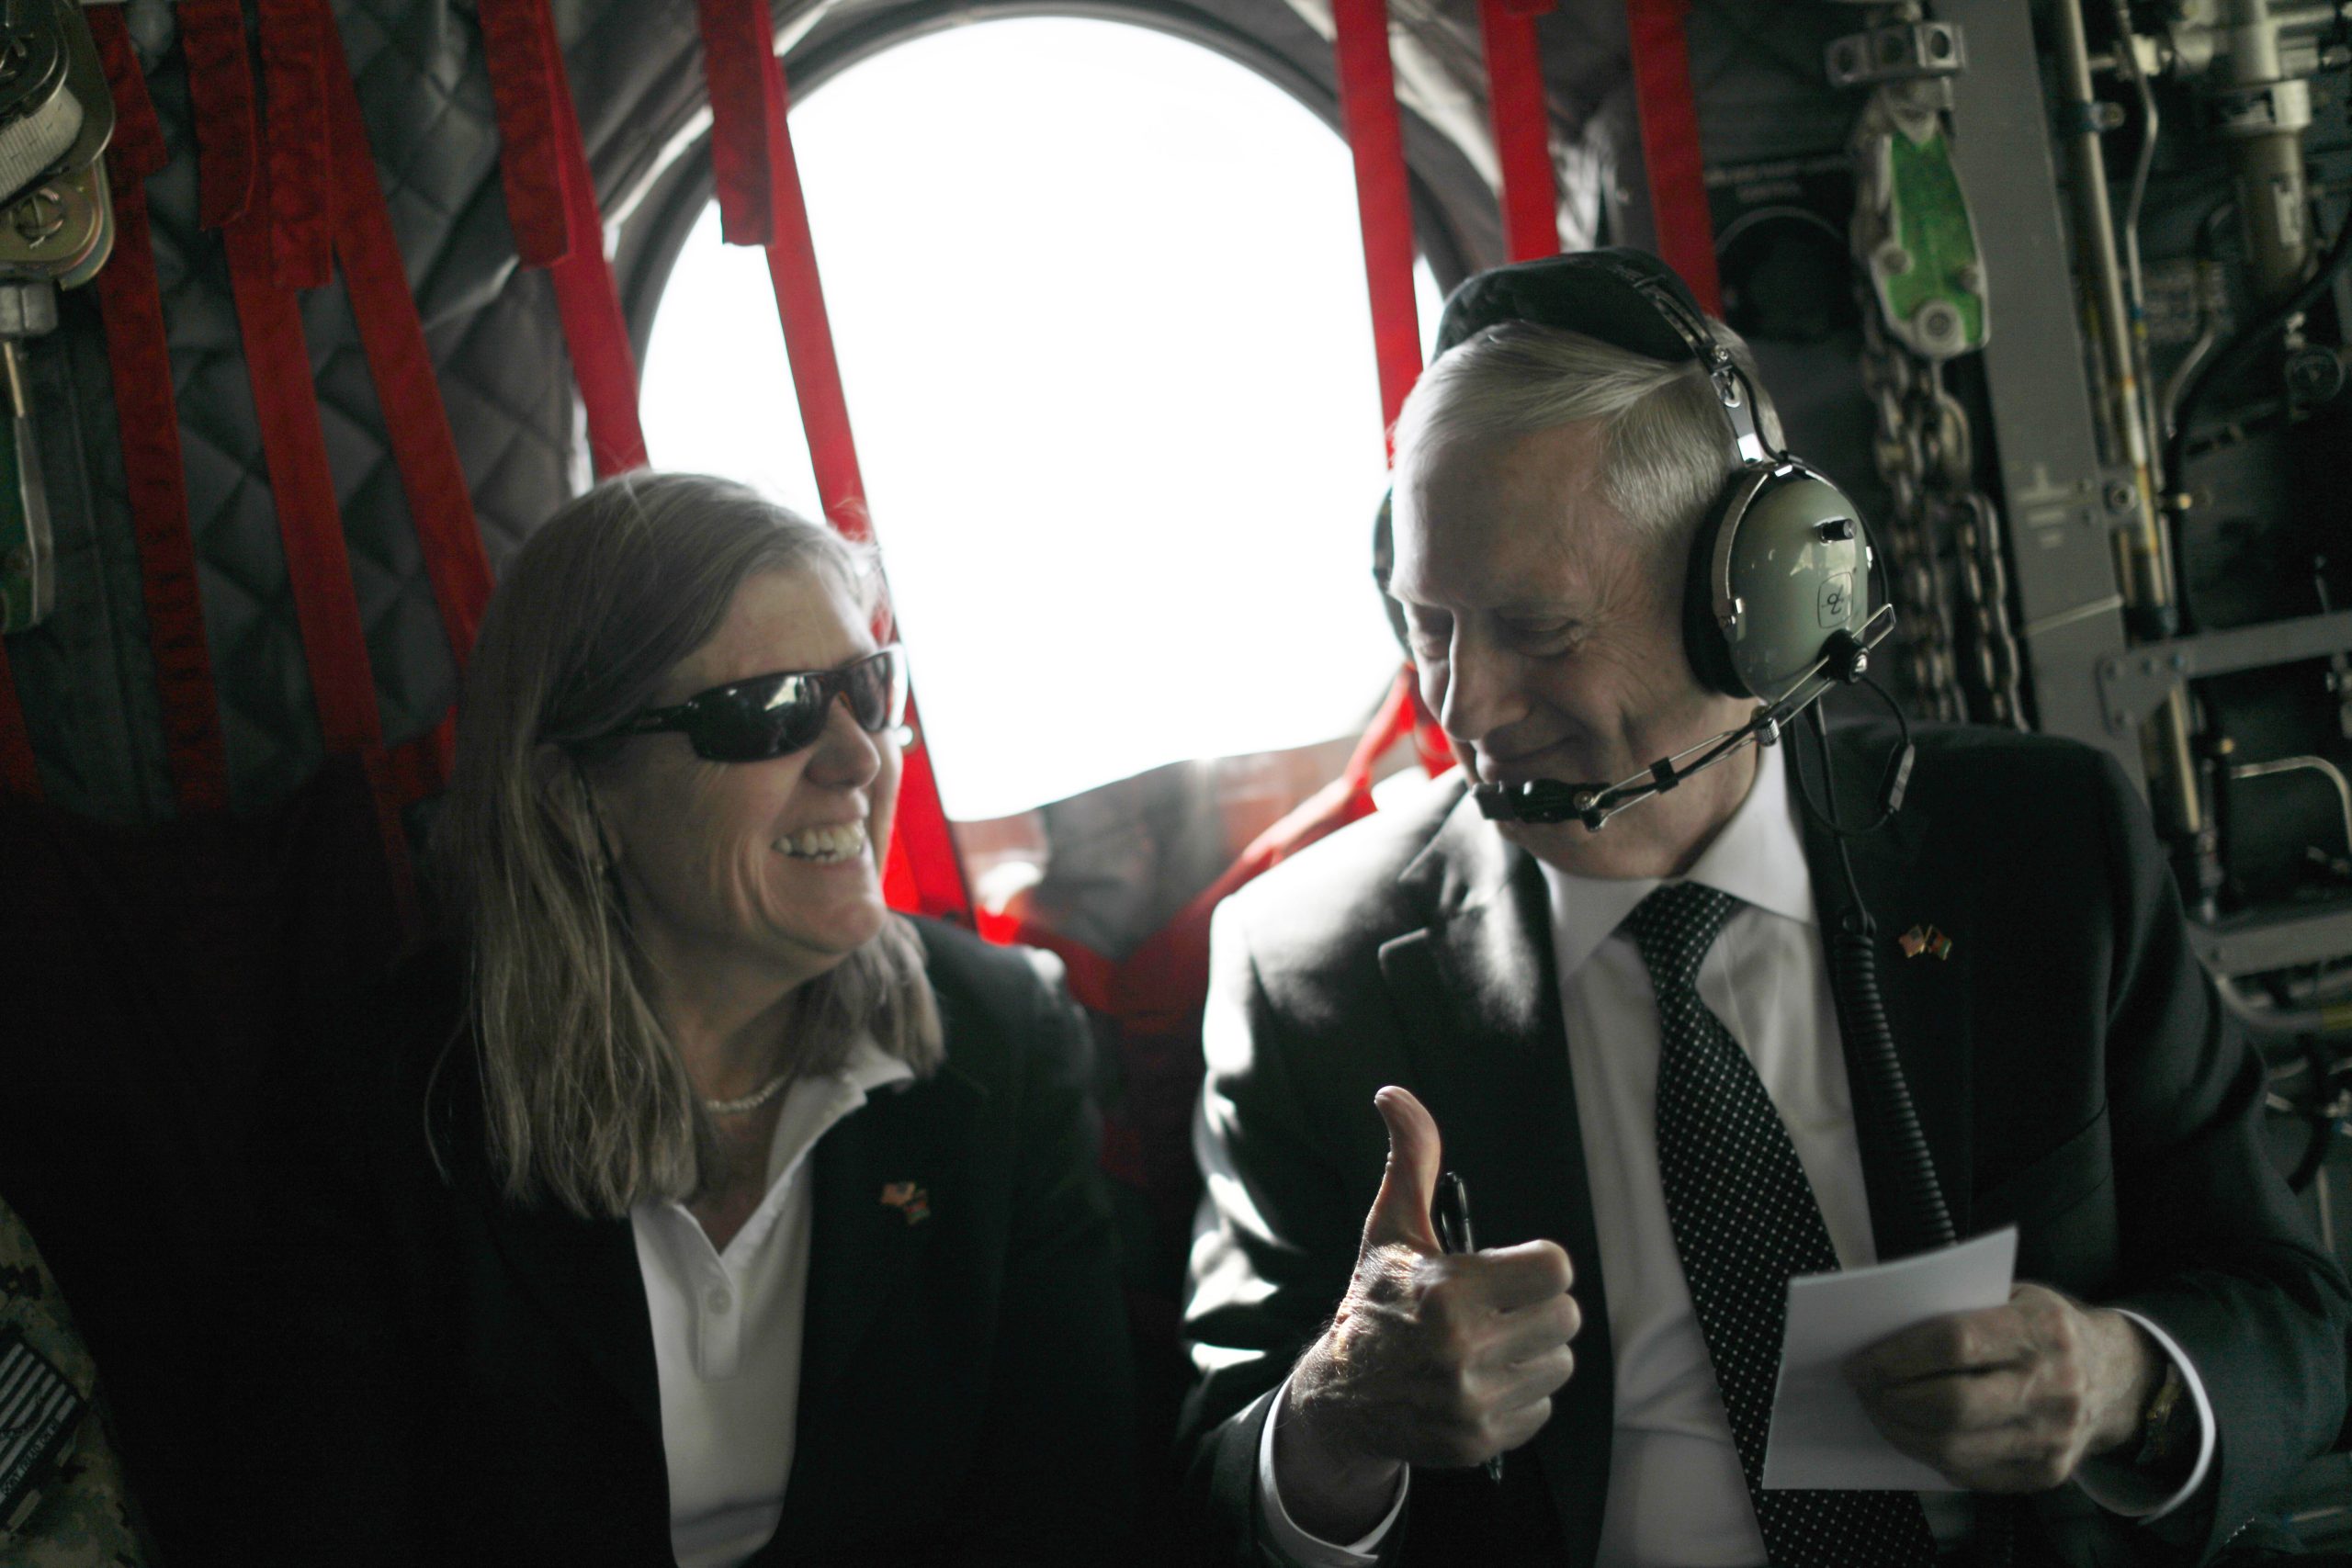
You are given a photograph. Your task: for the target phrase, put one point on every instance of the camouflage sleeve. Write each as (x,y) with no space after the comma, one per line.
(82,1517)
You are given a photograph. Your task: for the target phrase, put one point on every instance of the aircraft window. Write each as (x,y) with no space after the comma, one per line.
(1098,296)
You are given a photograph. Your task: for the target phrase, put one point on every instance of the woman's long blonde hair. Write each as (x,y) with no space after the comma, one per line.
(588,1103)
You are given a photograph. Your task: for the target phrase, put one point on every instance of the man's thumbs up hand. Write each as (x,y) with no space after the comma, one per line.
(1400,1211)
(1431,1360)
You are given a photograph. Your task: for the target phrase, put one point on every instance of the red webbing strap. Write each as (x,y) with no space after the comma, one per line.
(1670,151)
(401,365)
(221,94)
(737,43)
(148,415)
(318,567)
(1523,123)
(293,70)
(530,163)
(309,525)
(595,333)
(542,152)
(20,774)
(1383,193)
(420,768)
(801,304)
(594,328)
(921,871)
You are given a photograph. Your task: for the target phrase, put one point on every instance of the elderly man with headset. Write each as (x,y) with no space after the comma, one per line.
(1685,1058)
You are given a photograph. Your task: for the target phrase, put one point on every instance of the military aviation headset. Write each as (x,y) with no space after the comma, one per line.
(1776,603)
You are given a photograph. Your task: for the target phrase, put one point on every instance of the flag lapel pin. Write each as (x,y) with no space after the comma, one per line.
(908,1198)
(1924,940)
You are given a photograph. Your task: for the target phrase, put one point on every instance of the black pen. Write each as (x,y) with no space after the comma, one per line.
(1450,1212)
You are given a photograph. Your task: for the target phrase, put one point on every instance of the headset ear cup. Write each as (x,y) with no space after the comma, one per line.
(1703,638)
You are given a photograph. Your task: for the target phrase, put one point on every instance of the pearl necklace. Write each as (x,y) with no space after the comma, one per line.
(750,1101)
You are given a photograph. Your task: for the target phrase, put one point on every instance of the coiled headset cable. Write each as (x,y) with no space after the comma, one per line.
(1853,974)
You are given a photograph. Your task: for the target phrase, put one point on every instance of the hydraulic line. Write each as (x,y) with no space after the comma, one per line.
(2143,558)
(2211,298)
(2134,277)
(2249,342)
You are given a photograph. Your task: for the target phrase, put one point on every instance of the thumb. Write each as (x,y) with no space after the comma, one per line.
(1400,1212)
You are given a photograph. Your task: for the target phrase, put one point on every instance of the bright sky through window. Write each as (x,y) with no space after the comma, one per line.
(1099,300)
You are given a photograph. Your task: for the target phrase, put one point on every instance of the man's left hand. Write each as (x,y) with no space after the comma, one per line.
(2014,1398)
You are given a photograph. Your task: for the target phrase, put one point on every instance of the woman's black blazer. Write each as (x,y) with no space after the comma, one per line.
(439,1376)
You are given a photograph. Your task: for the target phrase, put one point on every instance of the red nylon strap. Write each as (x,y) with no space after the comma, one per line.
(293,64)
(148,414)
(278,361)
(384,792)
(594,330)
(1384,194)
(221,94)
(801,304)
(137,148)
(1670,149)
(921,871)
(924,873)
(309,526)
(1522,125)
(540,159)
(739,50)
(530,163)
(401,367)
(421,768)
(20,774)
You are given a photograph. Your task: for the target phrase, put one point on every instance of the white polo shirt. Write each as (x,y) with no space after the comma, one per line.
(726,1330)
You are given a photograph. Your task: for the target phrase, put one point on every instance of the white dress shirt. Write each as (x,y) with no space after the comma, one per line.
(1676,1497)
(726,1330)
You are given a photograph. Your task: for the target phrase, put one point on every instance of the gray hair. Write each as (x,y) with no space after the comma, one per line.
(588,1101)
(1667,449)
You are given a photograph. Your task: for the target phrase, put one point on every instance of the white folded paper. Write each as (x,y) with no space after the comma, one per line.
(1820,1435)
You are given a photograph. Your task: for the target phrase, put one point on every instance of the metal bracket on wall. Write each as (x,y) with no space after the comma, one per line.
(1901,51)
(2267,940)
(2134,683)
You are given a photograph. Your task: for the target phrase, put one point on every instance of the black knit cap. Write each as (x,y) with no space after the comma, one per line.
(1583,291)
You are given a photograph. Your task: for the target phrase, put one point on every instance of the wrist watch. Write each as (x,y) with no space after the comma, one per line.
(2159,1433)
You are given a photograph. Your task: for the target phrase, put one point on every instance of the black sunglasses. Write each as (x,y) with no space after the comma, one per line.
(773,716)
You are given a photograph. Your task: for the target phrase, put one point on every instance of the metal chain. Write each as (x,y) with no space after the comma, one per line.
(1925,453)
(1892,378)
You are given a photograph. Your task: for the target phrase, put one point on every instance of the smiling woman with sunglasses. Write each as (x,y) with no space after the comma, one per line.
(691,1206)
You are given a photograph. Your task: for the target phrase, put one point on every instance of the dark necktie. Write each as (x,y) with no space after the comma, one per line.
(1745,1221)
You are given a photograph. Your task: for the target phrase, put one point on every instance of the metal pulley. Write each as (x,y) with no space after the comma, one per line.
(56,230)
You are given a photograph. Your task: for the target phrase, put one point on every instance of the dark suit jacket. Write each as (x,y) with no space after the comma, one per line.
(2067,1060)
(446,1378)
